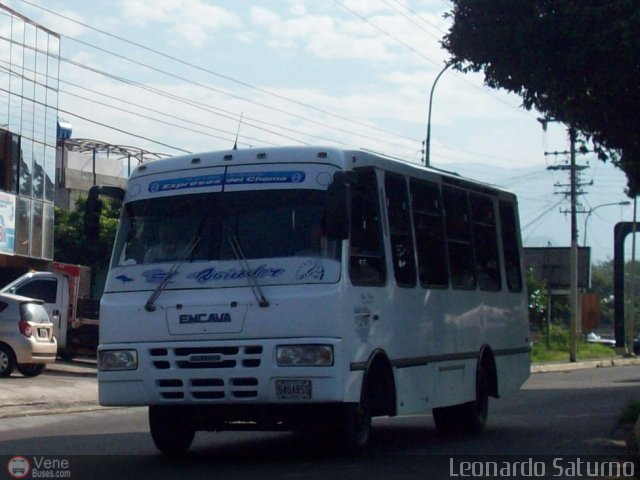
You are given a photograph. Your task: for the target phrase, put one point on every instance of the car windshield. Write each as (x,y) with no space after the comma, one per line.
(204,227)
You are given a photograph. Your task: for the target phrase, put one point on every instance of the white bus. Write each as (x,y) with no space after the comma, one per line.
(310,289)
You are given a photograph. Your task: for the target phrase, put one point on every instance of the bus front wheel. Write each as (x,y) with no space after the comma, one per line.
(172,433)
(356,427)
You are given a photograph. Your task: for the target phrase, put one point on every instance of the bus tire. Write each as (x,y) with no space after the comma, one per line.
(468,417)
(356,431)
(355,428)
(477,412)
(7,361)
(171,431)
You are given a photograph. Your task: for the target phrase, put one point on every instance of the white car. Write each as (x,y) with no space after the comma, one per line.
(26,336)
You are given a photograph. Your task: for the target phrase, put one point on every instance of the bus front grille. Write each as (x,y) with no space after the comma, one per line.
(207,389)
(224,357)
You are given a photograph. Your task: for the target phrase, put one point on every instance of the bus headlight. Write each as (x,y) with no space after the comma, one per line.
(304,355)
(117,360)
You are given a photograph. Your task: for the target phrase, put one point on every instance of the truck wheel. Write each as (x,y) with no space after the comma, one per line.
(171,431)
(31,369)
(468,417)
(7,361)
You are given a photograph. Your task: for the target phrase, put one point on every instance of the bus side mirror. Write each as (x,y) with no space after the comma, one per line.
(337,211)
(93,208)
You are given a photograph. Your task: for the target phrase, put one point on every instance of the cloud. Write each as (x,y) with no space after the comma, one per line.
(192,20)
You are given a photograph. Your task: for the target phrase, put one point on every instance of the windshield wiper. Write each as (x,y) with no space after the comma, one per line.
(150,305)
(253,283)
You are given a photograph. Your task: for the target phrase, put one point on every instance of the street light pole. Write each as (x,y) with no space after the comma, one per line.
(622,203)
(427,146)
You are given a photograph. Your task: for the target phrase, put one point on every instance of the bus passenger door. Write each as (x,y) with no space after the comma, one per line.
(367,263)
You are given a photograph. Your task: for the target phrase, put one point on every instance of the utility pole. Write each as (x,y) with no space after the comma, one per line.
(574,185)
(573,258)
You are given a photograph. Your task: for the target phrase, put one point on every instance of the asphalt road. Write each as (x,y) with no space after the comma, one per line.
(555,414)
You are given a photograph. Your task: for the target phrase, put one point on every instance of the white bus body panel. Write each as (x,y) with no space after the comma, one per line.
(432,337)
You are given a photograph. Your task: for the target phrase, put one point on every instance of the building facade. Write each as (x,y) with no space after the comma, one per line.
(29,73)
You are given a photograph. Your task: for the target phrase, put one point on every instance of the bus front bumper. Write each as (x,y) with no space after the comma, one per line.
(206,373)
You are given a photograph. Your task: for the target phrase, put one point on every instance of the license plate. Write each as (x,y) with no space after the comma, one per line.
(43,333)
(293,389)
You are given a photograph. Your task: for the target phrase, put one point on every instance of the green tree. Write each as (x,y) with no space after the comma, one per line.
(602,284)
(537,301)
(575,61)
(70,243)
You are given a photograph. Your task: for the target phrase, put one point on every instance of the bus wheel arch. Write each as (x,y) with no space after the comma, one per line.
(377,398)
(378,385)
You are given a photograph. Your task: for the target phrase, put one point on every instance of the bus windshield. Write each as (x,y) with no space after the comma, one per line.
(264,224)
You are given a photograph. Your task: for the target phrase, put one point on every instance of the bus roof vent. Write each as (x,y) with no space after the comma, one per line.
(227,157)
(322,155)
(195,160)
(261,156)
(142,167)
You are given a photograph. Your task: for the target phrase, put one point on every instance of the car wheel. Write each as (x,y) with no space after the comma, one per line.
(7,361)
(31,369)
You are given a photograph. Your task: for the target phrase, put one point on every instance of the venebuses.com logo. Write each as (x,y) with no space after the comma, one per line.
(18,467)
(38,467)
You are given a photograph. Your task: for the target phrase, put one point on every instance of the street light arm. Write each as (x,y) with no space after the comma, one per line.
(427,149)
(591,210)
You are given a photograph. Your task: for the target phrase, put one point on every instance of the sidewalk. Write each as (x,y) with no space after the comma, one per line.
(64,387)
(67,387)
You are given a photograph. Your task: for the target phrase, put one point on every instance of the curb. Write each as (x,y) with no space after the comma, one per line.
(41,409)
(571,366)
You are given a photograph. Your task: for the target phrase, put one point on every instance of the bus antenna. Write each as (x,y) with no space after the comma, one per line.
(235,144)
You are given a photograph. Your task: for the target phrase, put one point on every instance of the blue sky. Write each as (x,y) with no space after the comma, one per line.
(351,73)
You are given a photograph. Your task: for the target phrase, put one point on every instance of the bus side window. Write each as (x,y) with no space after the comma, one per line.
(459,241)
(399,217)
(430,241)
(485,242)
(510,246)
(366,254)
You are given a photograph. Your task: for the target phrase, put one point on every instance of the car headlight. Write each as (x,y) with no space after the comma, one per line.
(117,360)
(304,355)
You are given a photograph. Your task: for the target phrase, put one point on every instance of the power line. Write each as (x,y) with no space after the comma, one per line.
(209,108)
(384,32)
(393,37)
(397,10)
(543,214)
(142,137)
(420,17)
(211,72)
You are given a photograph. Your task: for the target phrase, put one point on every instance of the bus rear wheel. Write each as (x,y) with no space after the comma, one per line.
(172,433)
(468,417)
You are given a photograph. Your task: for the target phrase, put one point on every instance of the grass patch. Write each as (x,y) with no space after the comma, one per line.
(558,350)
